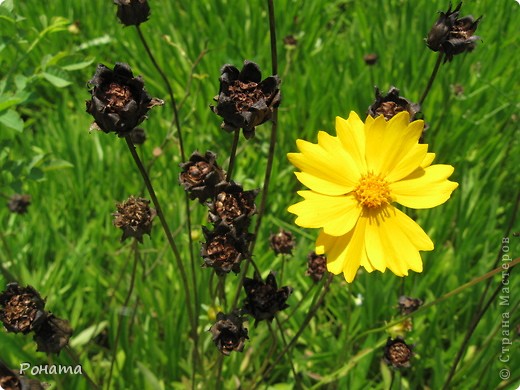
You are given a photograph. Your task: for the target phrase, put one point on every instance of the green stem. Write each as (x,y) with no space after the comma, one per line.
(169,236)
(135,249)
(289,354)
(304,324)
(270,158)
(432,78)
(186,199)
(75,359)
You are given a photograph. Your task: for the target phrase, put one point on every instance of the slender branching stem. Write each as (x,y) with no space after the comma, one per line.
(168,233)
(432,78)
(270,158)
(304,324)
(233,155)
(135,249)
(168,86)
(289,354)
(75,359)
(481,310)
(186,199)
(8,276)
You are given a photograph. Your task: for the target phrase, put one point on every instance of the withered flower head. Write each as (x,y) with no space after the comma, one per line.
(22,308)
(244,100)
(264,299)
(282,242)
(53,334)
(390,104)
(134,216)
(408,305)
(397,353)
(132,12)
(233,207)
(19,203)
(223,250)
(8,379)
(290,41)
(370,59)
(229,333)
(138,136)
(201,176)
(453,35)
(316,266)
(119,101)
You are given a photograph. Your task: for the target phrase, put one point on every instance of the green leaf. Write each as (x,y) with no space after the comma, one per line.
(77,65)
(88,334)
(56,77)
(12,119)
(54,165)
(35,174)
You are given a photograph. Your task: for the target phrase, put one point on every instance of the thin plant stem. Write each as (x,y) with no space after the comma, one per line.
(432,78)
(304,324)
(75,359)
(8,276)
(169,236)
(456,291)
(168,86)
(233,155)
(183,156)
(270,158)
(289,354)
(473,325)
(135,249)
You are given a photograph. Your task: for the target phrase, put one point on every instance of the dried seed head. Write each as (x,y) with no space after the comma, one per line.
(245,100)
(282,242)
(390,104)
(233,207)
(132,12)
(316,266)
(201,176)
(223,250)
(10,380)
(19,203)
(453,35)
(264,299)
(134,216)
(22,308)
(229,333)
(290,41)
(408,305)
(370,59)
(119,101)
(397,353)
(53,335)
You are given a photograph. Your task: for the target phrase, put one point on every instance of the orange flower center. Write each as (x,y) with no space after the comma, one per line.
(372,191)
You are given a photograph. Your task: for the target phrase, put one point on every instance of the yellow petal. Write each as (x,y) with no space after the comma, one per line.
(328,163)
(424,188)
(337,215)
(344,253)
(428,160)
(351,133)
(409,163)
(413,231)
(388,143)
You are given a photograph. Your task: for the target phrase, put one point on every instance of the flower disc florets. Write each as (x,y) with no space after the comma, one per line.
(119,101)
(245,100)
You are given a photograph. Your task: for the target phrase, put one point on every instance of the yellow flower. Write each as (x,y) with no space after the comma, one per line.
(354,178)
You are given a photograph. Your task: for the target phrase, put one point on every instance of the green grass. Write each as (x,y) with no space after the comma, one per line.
(68,249)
